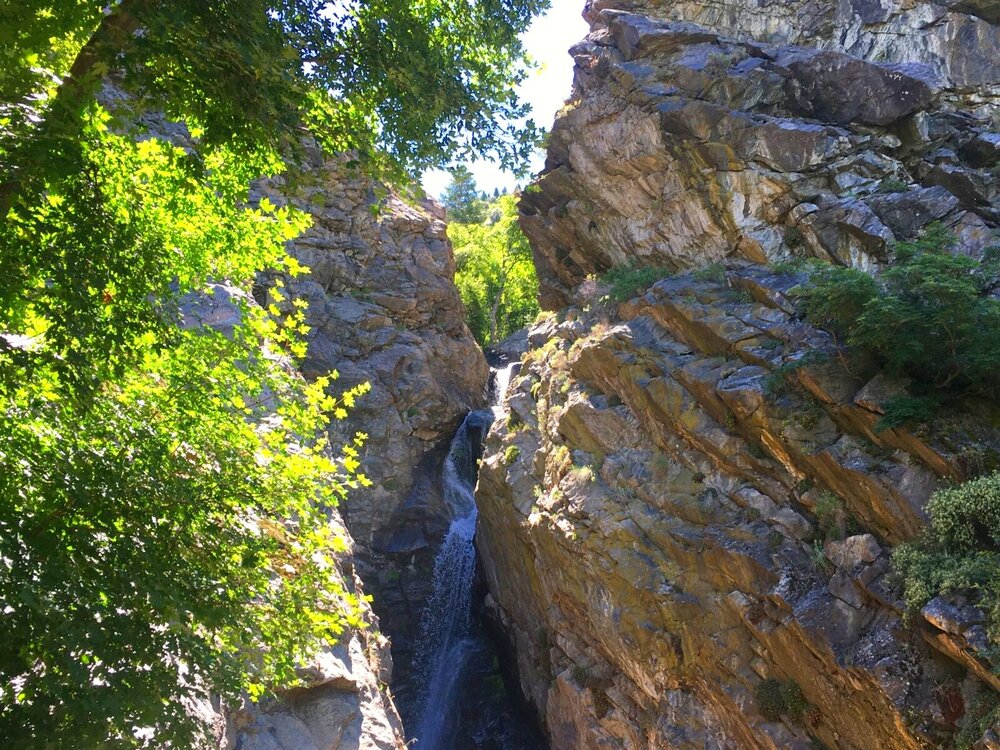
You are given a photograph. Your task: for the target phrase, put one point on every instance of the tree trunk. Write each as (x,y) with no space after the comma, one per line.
(112,36)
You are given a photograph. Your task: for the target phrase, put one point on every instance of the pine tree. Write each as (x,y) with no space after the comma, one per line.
(463,200)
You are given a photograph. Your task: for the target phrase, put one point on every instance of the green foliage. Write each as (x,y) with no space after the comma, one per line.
(777,698)
(792,265)
(903,410)
(164,487)
(892,185)
(795,700)
(780,379)
(715,272)
(817,553)
(511,455)
(832,519)
(835,298)
(151,467)
(420,83)
(981,716)
(927,317)
(809,414)
(627,281)
(960,552)
(495,273)
(462,198)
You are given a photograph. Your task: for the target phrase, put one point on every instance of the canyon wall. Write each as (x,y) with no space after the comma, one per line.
(686,519)
(382,308)
(344,700)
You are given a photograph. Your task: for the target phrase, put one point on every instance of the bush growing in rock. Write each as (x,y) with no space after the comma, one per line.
(928,317)
(981,715)
(960,552)
(776,698)
(769,702)
(627,281)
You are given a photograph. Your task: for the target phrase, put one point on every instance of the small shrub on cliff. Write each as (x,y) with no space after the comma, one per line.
(511,455)
(795,700)
(627,281)
(777,698)
(928,317)
(982,714)
(715,272)
(960,552)
(892,185)
(831,517)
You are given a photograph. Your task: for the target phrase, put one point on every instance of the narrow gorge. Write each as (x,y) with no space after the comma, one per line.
(687,502)
(275,473)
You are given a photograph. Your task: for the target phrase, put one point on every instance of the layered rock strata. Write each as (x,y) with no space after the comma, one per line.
(682,146)
(654,523)
(686,519)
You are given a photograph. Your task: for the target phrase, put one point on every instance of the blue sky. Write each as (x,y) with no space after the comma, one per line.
(547,41)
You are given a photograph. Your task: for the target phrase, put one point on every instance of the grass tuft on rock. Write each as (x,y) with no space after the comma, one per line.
(627,281)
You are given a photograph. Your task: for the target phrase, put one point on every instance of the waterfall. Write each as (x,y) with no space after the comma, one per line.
(446,640)
(501,381)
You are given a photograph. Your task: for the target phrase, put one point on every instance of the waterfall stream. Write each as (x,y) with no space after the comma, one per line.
(447,641)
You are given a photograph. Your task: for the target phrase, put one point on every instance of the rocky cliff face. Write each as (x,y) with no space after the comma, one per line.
(682,146)
(344,704)
(383,308)
(686,519)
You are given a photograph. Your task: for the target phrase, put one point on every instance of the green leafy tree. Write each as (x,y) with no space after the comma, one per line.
(164,485)
(495,272)
(463,199)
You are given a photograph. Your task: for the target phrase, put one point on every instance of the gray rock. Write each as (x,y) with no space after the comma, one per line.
(854,551)
(907,213)
(982,150)
(834,87)
(949,617)
(842,587)
(964,184)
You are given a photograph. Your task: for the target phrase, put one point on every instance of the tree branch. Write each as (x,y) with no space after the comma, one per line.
(112,36)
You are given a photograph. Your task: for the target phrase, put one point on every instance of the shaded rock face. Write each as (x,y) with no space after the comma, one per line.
(383,308)
(682,146)
(687,518)
(344,702)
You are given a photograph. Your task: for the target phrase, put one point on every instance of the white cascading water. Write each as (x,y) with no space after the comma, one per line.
(446,642)
(501,381)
